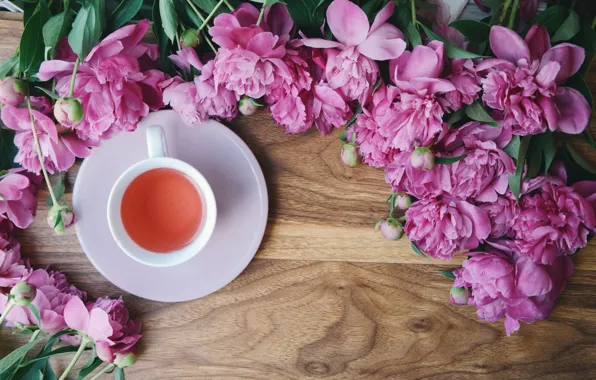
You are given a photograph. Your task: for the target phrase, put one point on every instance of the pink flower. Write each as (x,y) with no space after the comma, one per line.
(12,268)
(502,214)
(352,73)
(9,93)
(423,184)
(290,111)
(349,24)
(374,147)
(442,228)
(470,133)
(53,294)
(586,189)
(216,100)
(42,104)
(181,96)
(512,286)
(59,149)
(185,59)
(114,92)
(18,201)
(329,109)
(92,321)
(467,85)
(528,9)
(523,83)
(554,220)
(125,332)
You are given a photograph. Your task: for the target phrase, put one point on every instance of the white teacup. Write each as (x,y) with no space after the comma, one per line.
(158,158)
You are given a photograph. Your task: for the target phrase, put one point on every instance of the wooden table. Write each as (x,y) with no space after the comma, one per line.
(326,297)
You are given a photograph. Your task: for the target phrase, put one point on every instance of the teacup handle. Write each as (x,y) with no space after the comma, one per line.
(156,142)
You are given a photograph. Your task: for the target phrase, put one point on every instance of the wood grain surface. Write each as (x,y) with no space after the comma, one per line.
(326,297)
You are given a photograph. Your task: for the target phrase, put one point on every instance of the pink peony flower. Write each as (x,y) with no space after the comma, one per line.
(42,104)
(423,184)
(353,74)
(115,93)
(59,148)
(467,85)
(374,147)
(290,111)
(512,286)
(216,100)
(10,94)
(443,227)
(329,109)
(470,133)
(528,9)
(181,96)
(554,220)
(12,268)
(349,24)
(523,83)
(586,189)
(53,294)
(502,214)
(18,201)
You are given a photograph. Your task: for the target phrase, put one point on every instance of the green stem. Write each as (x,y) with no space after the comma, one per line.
(7,310)
(74,75)
(262,13)
(594,23)
(74,360)
(39,155)
(104,370)
(513,13)
(209,42)
(230,7)
(178,41)
(211,15)
(413,7)
(505,9)
(33,337)
(196,10)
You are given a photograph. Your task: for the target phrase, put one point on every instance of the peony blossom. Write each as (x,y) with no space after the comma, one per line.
(512,286)
(181,96)
(17,199)
(216,100)
(467,85)
(554,220)
(329,109)
(352,73)
(12,268)
(423,184)
(59,147)
(443,227)
(53,294)
(10,93)
(523,84)
(503,213)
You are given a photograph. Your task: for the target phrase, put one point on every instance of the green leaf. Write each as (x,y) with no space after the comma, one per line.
(371,8)
(58,220)
(578,159)
(586,37)
(90,367)
(10,362)
(169,18)
(119,374)
(512,149)
(59,189)
(549,148)
(31,47)
(7,66)
(414,35)
(451,50)
(568,29)
(476,111)
(455,117)
(208,5)
(417,250)
(552,18)
(474,31)
(357,112)
(164,44)
(56,28)
(447,273)
(533,159)
(127,9)
(8,149)
(82,36)
(516,179)
(308,15)
(588,136)
(48,93)
(448,160)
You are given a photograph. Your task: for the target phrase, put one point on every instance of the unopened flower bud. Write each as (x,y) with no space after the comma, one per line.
(23,293)
(402,201)
(391,229)
(349,155)
(459,296)
(60,218)
(247,105)
(68,111)
(123,361)
(190,38)
(422,158)
(12,91)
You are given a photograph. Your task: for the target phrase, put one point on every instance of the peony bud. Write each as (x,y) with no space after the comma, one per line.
(391,229)
(422,158)
(349,155)
(12,91)
(247,105)
(23,293)
(60,218)
(123,361)
(68,111)
(459,296)
(191,38)
(402,201)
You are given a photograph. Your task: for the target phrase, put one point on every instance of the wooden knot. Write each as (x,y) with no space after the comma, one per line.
(317,368)
(419,324)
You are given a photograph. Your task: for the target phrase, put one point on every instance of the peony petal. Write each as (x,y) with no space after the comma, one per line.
(381,17)
(550,112)
(547,74)
(348,23)
(532,279)
(21,216)
(105,352)
(50,69)
(574,110)
(423,61)
(433,85)
(492,62)
(51,321)
(320,43)
(384,43)
(99,326)
(569,56)
(279,21)
(76,315)
(75,145)
(538,41)
(16,119)
(508,45)
(478,216)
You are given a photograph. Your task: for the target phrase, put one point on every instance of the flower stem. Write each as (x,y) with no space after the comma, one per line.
(39,155)
(7,310)
(512,15)
(195,10)
(504,14)
(594,23)
(262,13)
(104,370)
(413,5)
(209,42)
(211,15)
(74,360)
(74,75)
(230,7)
